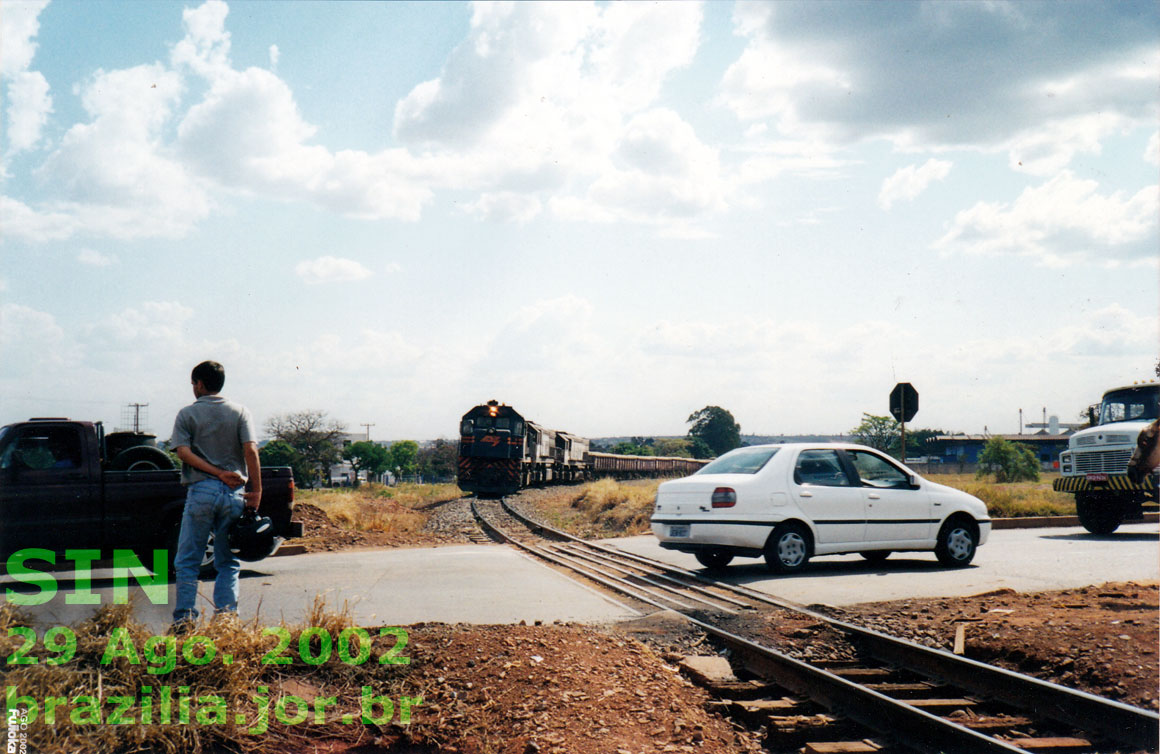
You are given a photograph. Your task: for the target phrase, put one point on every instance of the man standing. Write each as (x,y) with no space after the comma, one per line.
(215,441)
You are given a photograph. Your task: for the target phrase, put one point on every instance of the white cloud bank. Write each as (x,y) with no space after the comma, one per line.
(1064,219)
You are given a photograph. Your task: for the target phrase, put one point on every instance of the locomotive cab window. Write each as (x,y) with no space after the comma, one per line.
(467,427)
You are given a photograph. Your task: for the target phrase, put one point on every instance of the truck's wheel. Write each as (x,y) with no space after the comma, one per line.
(1097,513)
(142,458)
(205,570)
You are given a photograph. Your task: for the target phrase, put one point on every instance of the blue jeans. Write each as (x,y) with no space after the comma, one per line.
(210,508)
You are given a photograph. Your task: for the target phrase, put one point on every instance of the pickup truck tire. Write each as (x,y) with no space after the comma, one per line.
(1098,514)
(206,570)
(142,458)
(788,548)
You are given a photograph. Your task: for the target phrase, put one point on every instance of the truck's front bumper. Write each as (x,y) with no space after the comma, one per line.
(1102,482)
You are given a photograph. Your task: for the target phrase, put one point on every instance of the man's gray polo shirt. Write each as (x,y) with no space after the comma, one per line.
(214,428)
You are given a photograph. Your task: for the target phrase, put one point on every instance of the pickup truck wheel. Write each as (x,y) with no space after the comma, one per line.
(142,458)
(714,559)
(788,548)
(1099,515)
(206,569)
(957,541)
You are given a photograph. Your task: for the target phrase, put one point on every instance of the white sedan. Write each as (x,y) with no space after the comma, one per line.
(789,502)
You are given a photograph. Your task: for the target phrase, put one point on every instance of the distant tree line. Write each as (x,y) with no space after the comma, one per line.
(714,432)
(310,443)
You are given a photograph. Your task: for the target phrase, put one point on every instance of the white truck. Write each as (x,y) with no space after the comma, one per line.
(1094,466)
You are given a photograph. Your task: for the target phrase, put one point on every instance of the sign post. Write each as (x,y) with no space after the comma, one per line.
(903,406)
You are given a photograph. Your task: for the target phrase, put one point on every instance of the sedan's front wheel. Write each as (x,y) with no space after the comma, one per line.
(957,541)
(788,548)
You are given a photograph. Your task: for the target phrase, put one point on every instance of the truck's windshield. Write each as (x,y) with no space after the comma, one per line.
(1130,404)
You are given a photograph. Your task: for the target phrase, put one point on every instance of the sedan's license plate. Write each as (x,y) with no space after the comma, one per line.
(679,531)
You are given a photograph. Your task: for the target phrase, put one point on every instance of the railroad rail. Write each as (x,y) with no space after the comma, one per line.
(911,697)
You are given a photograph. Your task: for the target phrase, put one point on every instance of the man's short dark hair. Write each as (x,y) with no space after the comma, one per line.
(211,374)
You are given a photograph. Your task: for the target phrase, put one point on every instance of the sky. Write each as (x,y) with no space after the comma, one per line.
(605,215)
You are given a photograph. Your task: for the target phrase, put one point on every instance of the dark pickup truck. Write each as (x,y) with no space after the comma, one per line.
(60,490)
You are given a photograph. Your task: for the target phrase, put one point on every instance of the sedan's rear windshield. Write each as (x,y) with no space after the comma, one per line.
(740,461)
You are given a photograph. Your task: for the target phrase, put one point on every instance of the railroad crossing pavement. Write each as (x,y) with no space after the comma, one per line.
(1026,560)
(493,584)
(453,584)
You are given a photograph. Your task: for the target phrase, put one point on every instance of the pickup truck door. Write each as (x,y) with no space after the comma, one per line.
(823,489)
(47,496)
(895,511)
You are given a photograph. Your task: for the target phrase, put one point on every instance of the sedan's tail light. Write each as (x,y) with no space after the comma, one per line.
(724,497)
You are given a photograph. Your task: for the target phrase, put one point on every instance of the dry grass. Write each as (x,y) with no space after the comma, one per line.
(604,508)
(374,507)
(1013,499)
(238,684)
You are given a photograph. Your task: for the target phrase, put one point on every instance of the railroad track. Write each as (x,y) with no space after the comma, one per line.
(890,695)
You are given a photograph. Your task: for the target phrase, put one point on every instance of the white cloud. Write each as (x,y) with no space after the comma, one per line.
(29,105)
(28,97)
(1152,151)
(275,56)
(331,270)
(94,258)
(561,99)
(505,206)
(908,182)
(112,175)
(33,343)
(914,74)
(1063,220)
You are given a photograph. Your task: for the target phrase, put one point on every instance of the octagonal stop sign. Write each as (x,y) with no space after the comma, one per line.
(903,401)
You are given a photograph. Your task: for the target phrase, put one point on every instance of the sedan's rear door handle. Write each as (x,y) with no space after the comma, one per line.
(874,496)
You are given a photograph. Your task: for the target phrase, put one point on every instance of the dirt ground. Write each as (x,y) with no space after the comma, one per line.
(616,689)
(1102,639)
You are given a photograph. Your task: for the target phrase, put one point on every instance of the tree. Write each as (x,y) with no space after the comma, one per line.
(1008,461)
(673,447)
(632,448)
(715,427)
(402,456)
(366,456)
(313,436)
(699,449)
(282,453)
(916,441)
(879,432)
(440,461)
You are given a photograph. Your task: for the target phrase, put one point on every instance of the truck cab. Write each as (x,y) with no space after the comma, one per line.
(59,490)
(1094,467)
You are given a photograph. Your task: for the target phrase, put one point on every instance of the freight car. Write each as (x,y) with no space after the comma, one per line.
(500,451)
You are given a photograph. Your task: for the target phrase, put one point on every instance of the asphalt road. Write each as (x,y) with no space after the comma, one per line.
(496,584)
(1026,560)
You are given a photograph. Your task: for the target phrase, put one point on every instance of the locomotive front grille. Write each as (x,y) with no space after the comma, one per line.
(1102,461)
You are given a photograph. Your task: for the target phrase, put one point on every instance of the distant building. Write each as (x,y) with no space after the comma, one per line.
(966,448)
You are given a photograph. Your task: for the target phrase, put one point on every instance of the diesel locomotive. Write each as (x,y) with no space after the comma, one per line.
(500,451)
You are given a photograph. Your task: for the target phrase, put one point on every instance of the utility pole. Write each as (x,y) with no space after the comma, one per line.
(368,426)
(137,415)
